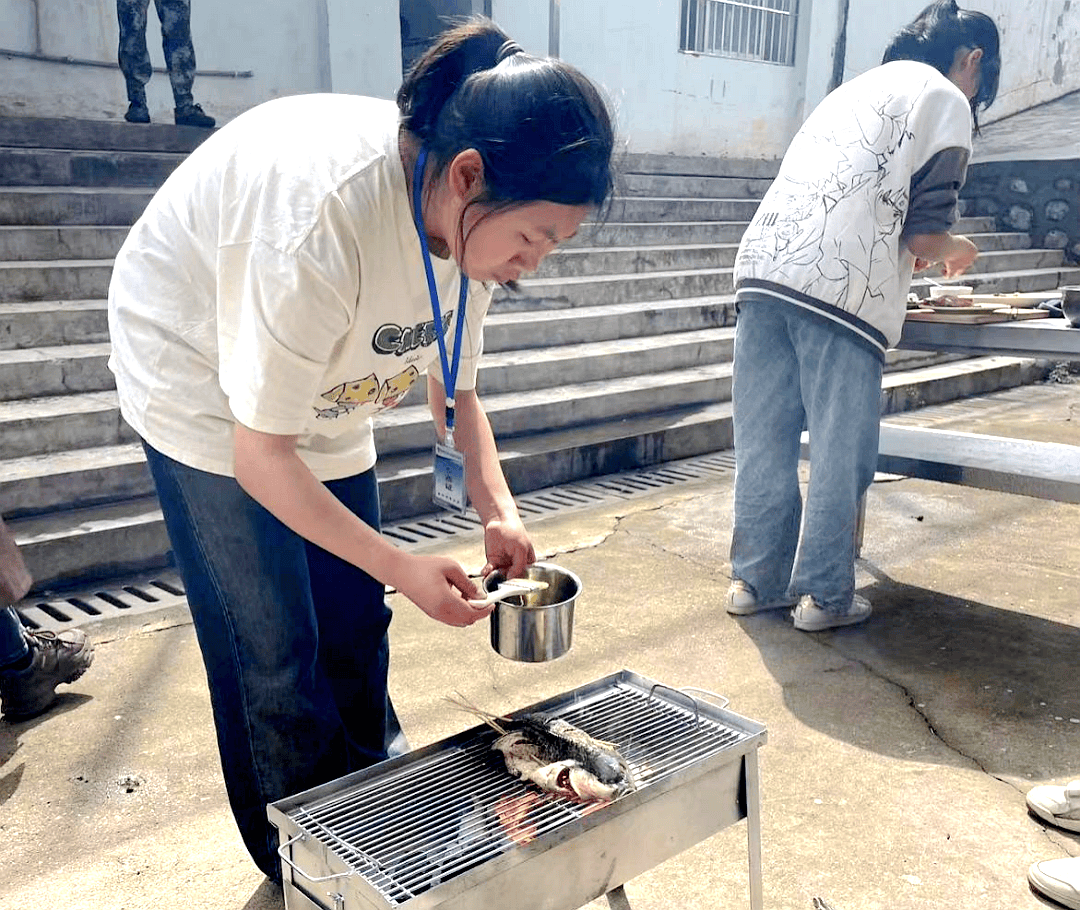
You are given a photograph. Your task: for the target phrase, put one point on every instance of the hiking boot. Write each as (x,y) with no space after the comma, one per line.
(192,115)
(809,616)
(137,113)
(54,659)
(742,600)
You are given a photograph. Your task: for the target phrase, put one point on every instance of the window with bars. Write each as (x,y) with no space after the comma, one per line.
(747,29)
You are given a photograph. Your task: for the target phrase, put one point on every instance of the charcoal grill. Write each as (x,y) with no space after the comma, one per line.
(448,827)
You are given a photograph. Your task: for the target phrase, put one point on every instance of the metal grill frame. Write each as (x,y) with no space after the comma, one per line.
(726,783)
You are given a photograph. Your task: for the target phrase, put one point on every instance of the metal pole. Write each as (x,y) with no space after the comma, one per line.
(753,830)
(553,28)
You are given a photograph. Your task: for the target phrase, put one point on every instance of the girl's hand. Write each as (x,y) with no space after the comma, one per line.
(959,258)
(440,587)
(508,548)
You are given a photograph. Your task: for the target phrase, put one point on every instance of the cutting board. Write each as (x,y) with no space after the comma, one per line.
(974,316)
(962,315)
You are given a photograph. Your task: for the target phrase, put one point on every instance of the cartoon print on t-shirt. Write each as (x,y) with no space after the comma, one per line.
(395,388)
(350,395)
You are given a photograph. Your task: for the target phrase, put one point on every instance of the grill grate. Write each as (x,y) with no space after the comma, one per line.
(425,822)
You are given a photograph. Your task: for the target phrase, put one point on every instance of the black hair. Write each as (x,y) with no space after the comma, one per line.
(542,129)
(942,29)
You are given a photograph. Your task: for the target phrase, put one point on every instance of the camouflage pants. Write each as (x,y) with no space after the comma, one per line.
(175,17)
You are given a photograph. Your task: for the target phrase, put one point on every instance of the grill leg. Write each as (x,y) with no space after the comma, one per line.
(617,899)
(753,829)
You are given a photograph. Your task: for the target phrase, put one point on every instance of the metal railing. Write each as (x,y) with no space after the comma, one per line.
(745,29)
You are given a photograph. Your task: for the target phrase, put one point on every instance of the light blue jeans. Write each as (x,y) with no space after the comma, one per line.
(795,369)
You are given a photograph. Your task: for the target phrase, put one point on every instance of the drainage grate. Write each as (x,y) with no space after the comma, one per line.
(142,594)
(147,593)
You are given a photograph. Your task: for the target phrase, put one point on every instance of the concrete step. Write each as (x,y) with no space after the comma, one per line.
(50,323)
(558,365)
(695,187)
(976,224)
(76,478)
(59,423)
(679,208)
(592,290)
(698,165)
(624,260)
(1001,240)
(1012,260)
(1008,282)
(61,370)
(626,234)
(514,414)
(68,205)
(65,167)
(50,279)
(525,329)
(65,133)
(558,456)
(19,243)
(96,542)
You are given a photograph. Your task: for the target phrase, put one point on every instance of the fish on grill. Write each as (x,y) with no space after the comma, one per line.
(556,756)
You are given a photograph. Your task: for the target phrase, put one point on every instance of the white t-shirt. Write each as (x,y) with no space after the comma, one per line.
(276,280)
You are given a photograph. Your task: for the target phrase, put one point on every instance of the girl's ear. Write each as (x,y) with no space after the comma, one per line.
(465,175)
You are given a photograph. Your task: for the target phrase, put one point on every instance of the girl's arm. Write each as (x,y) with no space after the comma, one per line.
(506,541)
(269,470)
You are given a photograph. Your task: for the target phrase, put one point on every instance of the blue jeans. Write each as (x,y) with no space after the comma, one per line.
(293,638)
(793,369)
(13,644)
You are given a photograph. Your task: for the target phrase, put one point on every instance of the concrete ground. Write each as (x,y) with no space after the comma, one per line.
(898,752)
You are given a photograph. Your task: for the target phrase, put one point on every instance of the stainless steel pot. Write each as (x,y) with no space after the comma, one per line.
(536,626)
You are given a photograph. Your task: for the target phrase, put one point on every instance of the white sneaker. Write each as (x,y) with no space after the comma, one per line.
(1058,879)
(809,617)
(742,600)
(1058,805)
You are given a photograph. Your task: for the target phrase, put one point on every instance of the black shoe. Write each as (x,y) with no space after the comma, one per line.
(192,115)
(137,113)
(54,659)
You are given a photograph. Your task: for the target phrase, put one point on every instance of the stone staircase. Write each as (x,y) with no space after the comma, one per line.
(617,355)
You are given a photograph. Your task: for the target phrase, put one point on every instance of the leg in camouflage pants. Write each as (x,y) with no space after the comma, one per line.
(175,16)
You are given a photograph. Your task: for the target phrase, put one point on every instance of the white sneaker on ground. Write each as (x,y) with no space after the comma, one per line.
(1058,805)
(742,600)
(809,617)
(1057,879)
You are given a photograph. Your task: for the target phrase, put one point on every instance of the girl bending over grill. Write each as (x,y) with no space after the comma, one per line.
(294,276)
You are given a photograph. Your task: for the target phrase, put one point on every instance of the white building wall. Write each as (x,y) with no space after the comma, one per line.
(248,51)
(1040,45)
(672,102)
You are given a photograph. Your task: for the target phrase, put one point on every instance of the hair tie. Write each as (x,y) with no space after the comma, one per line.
(509,49)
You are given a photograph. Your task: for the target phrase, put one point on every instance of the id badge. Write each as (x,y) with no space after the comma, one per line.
(449,482)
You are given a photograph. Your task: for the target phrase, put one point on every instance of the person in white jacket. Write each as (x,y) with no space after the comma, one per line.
(867,190)
(294,276)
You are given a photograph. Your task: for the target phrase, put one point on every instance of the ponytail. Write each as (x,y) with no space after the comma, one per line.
(542,129)
(941,30)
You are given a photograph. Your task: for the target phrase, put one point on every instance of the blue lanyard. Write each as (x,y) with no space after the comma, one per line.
(449,368)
